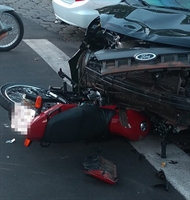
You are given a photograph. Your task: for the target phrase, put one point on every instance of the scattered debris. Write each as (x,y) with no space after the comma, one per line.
(158,154)
(6,126)
(134,150)
(10,141)
(173,162)
(141,156)
(100,168)
(57,21)
(64,157)
(163,164)
(160,174)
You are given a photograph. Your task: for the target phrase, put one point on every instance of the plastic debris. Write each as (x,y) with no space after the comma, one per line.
(141,157)
(57,21)
(6,126)
(160,174)
(173,162)
(100,168)
(163,164)
(10,141)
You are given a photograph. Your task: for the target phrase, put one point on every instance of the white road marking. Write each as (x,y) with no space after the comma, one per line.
(55,58)
(177,174)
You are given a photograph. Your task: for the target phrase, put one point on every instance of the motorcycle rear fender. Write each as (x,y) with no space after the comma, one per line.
(91,32)
(73,65)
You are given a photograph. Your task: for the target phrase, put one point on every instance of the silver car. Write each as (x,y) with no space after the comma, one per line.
(79,12)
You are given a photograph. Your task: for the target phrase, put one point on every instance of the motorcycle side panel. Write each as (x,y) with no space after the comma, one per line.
(137,127)
(39,123)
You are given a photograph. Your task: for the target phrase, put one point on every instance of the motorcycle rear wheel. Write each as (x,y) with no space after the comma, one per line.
(14,37)
(11,93)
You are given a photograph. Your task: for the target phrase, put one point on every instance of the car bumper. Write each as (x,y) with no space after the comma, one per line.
(73,14)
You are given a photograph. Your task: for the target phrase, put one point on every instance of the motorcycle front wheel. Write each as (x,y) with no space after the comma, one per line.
(81,68)
(11,93)
(14,37)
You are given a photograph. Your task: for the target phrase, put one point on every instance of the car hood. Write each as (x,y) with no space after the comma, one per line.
(154,24)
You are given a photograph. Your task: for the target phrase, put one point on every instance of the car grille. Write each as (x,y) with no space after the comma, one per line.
(159,85)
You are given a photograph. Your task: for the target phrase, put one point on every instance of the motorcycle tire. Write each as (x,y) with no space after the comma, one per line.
(11,93)
(81,68)
(14,37)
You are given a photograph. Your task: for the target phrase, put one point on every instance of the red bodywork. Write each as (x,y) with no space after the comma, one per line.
(132,131)
(38,124)
(101,168)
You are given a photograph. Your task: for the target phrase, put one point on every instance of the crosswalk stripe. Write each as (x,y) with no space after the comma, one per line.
(55,58)
(178,175)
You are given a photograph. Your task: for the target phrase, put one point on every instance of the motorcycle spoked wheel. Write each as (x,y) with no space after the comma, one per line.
(11,93)
(14,37)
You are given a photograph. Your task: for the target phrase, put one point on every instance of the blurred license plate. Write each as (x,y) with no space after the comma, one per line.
(21,118)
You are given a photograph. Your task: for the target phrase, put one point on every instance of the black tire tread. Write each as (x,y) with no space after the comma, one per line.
(4,102)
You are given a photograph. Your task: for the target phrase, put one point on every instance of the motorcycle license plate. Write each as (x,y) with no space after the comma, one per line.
(21,118)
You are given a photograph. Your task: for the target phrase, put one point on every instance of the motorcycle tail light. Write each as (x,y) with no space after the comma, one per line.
(39,102)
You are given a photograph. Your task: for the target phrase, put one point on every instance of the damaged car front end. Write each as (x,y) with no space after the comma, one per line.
(139,57)
(148,68)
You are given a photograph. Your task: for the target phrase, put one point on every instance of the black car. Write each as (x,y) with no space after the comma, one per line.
(138,54)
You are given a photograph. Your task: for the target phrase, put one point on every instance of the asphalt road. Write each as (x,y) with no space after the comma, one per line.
(56,172)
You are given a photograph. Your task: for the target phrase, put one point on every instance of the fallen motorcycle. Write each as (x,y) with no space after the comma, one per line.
(72,122)
(12,26)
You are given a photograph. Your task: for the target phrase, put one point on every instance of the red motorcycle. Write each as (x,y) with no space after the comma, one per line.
(72,122)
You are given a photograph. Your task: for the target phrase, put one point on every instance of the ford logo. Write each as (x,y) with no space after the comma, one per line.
(145,56)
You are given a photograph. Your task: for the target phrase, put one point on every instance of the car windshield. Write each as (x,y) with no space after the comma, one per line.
(175,4)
